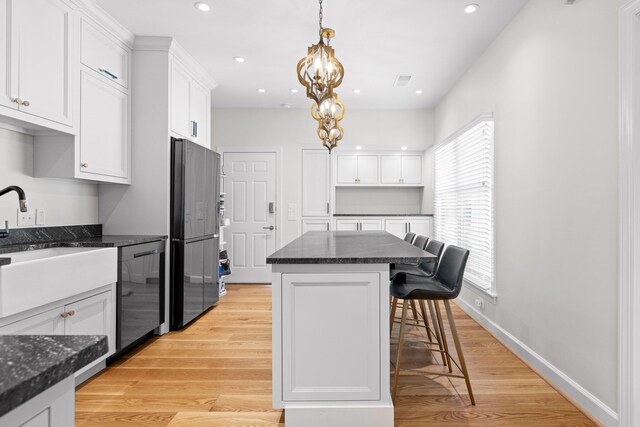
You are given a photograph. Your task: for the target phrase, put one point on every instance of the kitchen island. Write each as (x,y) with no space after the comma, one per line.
(331,327)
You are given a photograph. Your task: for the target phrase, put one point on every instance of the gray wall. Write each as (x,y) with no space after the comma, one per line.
(551,80)
(64,202)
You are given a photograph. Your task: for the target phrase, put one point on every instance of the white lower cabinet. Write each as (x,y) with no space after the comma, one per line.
(399,227)
(85,314)
(321,224)
(359,224)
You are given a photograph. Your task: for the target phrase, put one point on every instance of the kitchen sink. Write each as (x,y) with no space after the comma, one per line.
(39,277)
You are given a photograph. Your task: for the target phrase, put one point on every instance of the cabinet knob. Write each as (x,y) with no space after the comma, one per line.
(18,101)
(68,314)
(26,103)
(84,165)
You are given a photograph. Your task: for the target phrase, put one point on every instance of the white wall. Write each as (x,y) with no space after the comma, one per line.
(64,202)
(294,128)
(551,80)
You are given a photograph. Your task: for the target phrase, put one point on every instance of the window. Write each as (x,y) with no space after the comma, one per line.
(464,199)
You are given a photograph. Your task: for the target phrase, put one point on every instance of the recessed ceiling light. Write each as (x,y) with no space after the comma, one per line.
(238,58)
(470,8)
(356,91)
(203,7)
(403,148)
(358,147)
(293,90)
(261,90)
(419,91)
(285,105)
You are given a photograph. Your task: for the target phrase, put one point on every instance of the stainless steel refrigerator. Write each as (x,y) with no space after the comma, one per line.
(195,230)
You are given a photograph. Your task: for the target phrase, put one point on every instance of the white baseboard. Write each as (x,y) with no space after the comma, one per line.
(558,379)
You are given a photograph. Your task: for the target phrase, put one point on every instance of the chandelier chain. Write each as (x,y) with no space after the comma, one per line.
(320,15)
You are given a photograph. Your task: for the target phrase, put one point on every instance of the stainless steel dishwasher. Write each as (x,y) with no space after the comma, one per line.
(140,292)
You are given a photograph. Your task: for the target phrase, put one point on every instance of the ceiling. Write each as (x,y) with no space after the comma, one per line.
(435,41)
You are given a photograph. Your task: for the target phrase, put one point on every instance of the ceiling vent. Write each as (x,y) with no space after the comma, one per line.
(402,80)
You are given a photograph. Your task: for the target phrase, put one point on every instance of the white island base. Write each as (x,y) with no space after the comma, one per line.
(331,344)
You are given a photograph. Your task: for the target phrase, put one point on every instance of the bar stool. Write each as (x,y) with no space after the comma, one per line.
(409,237)
(445,285)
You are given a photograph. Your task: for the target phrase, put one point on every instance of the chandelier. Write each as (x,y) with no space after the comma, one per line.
(320,73)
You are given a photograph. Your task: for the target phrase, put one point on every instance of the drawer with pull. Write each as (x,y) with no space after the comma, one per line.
(104,55)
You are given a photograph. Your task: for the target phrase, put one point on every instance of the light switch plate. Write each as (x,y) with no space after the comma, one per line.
(26,219)
(40,216)
(292,212)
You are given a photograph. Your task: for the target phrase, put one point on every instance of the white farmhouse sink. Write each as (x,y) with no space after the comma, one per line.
(36,278)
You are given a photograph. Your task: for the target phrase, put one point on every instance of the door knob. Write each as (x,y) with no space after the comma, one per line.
(271,227)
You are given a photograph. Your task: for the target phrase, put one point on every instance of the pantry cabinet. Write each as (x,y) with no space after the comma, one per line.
(38,59)
(316,185)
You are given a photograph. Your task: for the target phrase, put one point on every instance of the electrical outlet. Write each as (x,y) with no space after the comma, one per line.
(39,216)
(26,219)
(479,303)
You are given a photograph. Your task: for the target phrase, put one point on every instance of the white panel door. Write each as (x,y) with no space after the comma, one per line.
(412,169)
(48,323)
(315,225)
(316,183)
(5,37)
(347,166)
(104,128)
(250,186)
(180,100)
(367,169)
(390,170)
(349,337)
(41,45)
(370,225)
(422,227)
(397,227)
(347,225)
(200,111)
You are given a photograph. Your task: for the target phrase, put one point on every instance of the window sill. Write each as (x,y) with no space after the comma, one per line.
(492,297)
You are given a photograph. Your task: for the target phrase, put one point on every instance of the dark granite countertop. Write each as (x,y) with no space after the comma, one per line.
(382,214)
(79,236)
(349,247)
(30,364)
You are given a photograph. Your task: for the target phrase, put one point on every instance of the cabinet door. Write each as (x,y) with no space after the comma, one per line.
(315,225)
(397,227)
(104,128)
(370,225)
(42,48)
(315,183)
(421,226)
(347,169)
(180,100)
(104,55)
(367,169)
(48,323)
(411,169)
(92,316)
(390,170)
(200,105)
(347,225)
(5,38)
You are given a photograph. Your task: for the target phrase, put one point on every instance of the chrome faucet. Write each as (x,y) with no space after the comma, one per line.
(22,198)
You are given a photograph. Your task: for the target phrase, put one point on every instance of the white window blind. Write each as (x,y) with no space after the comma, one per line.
(464,199)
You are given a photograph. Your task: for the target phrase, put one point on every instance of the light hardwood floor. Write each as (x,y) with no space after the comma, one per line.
(217,372)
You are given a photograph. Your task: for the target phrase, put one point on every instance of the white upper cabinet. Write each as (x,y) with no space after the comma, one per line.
(400,169)
(180,100)
(104,129)
(357,169)
(104,55)
(316,175)
(40,58)
(190,106)
(5,36)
